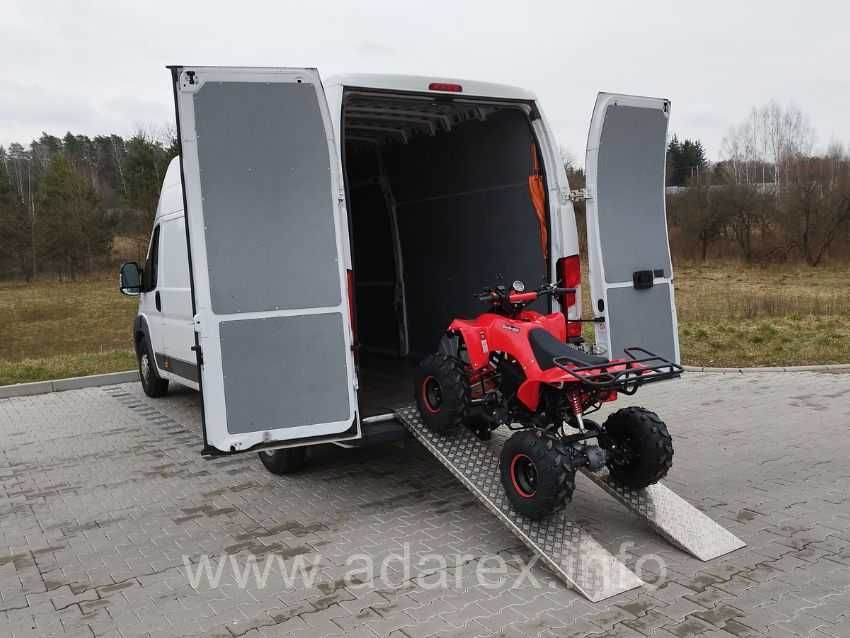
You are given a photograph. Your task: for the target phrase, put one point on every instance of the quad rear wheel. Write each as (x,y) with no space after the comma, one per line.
(538,479)
(640,449)
(442,392)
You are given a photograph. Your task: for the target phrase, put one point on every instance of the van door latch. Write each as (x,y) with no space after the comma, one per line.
(200,354)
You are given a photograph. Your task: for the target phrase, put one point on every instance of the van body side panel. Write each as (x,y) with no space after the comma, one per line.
(262,187)
(178,336)
(562,221)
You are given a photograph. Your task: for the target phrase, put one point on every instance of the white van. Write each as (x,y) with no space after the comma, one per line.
(313,241)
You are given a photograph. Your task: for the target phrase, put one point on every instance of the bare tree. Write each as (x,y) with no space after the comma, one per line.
(568,158)
(815,206)
(765,146)
(702,214)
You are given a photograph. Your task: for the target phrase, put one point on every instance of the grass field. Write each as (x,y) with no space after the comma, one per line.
(50,330)
(729,315)
(777,315)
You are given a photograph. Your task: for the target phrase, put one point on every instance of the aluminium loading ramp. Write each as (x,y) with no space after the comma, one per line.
(563,544)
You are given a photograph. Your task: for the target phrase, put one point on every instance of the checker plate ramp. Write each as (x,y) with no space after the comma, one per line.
(672,517)
(567,548)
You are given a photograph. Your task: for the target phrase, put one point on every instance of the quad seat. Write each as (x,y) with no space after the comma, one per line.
(546,347)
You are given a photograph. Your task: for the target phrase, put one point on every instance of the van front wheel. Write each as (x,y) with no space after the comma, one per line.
(152,384)
(284,461)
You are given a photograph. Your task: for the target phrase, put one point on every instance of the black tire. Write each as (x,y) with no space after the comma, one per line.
(441,392)
(284,461)
(538,479)
(640,447)
(152,384)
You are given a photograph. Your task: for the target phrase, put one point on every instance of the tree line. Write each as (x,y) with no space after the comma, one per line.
(770,198)
(64,200)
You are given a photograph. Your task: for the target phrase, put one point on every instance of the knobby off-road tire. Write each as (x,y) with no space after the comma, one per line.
(152,384)
(285,461)
(647,445)
(442,394)
(538,479)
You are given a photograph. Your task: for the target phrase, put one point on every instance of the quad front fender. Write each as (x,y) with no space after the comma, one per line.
(475,339)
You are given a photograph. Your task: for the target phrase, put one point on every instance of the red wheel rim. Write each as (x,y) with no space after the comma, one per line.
(432,397)
(523,475)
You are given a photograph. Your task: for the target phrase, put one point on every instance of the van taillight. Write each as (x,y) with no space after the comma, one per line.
(445,86)
(569,270)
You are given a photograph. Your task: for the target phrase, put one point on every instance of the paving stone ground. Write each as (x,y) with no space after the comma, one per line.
(104,496)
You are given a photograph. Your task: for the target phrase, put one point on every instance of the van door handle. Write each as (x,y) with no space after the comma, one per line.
(157,301)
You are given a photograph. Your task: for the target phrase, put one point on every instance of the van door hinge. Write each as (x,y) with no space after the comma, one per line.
(200,354)
(579,195)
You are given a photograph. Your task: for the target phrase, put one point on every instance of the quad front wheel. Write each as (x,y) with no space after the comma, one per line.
(441,392)
(640,449)
(537,477)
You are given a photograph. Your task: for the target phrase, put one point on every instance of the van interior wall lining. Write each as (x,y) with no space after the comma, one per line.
(399,288)
(375,273)
(463,214)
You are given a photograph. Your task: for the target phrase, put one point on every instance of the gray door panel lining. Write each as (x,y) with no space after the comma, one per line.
(268,209)
(284,372)
(641,318)
(630,192)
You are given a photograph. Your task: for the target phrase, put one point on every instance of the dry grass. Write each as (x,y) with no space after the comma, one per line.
(740,316)
(51,329)
(729,315)
(732,315)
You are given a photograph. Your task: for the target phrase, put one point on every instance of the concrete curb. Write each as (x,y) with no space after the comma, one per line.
(111,378)
(829,367)
(72,383)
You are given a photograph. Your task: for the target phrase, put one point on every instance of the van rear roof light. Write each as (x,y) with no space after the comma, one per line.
(445,86)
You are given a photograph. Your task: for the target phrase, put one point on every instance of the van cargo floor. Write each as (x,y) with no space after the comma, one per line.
(386,383)
(562,543)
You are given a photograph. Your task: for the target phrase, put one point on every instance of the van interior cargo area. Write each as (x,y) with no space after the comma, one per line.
(439,206)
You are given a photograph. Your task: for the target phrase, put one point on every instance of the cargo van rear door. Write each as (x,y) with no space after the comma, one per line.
(262,186)
(631,274)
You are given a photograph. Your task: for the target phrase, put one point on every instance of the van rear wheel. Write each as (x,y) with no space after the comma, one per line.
(152,384)
(284,461)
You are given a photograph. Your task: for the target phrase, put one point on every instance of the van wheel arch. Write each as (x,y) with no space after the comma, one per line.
(153,385)
(140,332)
(138,339)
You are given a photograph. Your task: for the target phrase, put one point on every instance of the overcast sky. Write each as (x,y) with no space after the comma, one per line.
(98,67)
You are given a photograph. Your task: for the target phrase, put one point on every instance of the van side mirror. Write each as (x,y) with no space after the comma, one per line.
(130,278)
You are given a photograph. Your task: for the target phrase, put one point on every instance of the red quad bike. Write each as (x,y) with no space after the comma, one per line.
(512,366)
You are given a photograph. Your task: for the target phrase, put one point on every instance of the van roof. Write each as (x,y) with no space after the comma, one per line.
(420,84)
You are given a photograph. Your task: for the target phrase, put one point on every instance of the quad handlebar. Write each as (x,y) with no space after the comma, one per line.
(512,301)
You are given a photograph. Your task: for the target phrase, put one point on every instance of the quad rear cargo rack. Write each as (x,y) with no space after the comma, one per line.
(641,367)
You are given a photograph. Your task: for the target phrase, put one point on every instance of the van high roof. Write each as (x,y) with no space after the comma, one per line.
(434,84)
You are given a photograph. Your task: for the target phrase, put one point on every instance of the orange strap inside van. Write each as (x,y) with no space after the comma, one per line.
(537,190)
